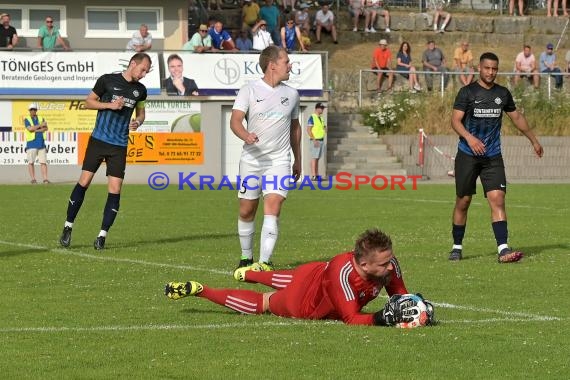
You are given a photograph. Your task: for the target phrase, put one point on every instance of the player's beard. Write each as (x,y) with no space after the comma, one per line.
(384,279)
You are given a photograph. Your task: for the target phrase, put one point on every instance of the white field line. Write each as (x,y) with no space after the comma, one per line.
(63,251)
(512,316)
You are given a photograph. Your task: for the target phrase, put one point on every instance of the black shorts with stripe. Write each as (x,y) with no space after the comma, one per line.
(114,156)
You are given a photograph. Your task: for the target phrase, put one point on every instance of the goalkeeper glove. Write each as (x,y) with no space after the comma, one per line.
(390,315)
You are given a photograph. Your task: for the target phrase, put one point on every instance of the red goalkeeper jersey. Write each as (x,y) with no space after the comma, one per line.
(332,290)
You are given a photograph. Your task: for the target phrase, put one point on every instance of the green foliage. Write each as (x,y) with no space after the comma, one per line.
(79,313)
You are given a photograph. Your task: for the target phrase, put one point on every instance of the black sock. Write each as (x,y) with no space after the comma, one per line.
(458,232)
(75,201)
(111,211)
(501,232)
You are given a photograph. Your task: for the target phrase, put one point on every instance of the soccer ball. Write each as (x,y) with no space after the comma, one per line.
(421,311)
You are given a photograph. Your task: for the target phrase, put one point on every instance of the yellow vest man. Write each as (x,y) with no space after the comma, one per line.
(35,129)
(316,129)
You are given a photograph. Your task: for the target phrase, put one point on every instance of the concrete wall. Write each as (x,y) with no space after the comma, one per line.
(520,161)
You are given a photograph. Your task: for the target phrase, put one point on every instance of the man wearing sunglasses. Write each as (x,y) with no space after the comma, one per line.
(200,42)
(49,36)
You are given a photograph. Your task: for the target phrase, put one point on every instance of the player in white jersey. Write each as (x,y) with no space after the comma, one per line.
(273,131)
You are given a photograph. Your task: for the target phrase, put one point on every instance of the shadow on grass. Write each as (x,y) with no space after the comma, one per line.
(23,251)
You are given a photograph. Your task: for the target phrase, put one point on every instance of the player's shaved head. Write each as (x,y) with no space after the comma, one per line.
(370,241)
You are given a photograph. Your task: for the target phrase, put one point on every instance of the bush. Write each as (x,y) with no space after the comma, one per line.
(388,114)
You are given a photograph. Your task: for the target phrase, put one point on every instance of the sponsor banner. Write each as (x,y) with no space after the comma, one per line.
(224,74)
(158,148)
(72,116)
(61,148)
(65,73)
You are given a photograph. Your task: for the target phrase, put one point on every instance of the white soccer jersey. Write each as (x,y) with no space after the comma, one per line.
(269,112)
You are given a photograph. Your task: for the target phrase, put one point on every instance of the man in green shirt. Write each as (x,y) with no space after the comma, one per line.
(49,37)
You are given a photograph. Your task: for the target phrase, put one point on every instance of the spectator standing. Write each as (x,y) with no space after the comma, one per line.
(382,60)
(316,129)
(554,9)
(8,34)
(289,33)
(404,65)
(221,39)
(324,20)
(243,43)
(35,132)
(249,14)
(434,60)
(521,7)
(49,36)
(200,42)
(177,83)
(547,63)
(141,41)
(261,37)
(464,63)
(270,13)
(525,67)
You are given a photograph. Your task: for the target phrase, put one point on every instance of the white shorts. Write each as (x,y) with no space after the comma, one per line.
(259,180)
(40,154)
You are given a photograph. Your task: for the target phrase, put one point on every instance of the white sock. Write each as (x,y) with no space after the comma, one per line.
(103,233)
(68,224)
(501,247)
(457,246)
(246,230)
(443,26)
(434,26)
(269,233)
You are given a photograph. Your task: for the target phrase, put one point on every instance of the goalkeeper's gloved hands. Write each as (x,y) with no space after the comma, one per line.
(390,315)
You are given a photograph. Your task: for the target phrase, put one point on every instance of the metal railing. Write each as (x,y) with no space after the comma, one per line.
(443,86)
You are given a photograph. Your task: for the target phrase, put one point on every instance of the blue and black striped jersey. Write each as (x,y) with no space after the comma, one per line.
(112,126)
(483,115)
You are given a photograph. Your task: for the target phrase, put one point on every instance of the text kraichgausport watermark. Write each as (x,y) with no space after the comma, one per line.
(340,181)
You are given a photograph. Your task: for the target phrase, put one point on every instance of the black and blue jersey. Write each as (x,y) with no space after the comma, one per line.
(112,126)
(483,115)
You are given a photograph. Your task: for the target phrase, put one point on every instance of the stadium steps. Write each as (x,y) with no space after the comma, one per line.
(352,148)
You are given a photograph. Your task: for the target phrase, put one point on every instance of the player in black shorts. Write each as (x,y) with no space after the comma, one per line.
(476,118)
(115,97)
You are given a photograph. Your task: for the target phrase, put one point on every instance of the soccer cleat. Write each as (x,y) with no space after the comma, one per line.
(177,290)
(65,238)
(99,243)
(509,256)
(239,273)
(245,262)
(262,266)
(455,254)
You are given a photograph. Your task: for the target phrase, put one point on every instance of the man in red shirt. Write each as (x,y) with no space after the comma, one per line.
(382,60)
(337,289)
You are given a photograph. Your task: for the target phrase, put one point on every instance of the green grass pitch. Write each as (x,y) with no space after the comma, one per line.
(78,313)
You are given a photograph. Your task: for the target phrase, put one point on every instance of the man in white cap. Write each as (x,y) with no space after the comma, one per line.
(382,60)
(316,129)
(35,142)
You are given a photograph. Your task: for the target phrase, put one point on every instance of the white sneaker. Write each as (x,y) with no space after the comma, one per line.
(442,31)
(417,87)
(366,30)
(387,30)
(372,30)
(355,29)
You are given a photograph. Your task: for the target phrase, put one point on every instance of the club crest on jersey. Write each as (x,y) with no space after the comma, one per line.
(136,93)
(285,101)
(498,100)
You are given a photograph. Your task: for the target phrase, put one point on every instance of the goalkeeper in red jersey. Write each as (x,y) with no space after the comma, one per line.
(337,289)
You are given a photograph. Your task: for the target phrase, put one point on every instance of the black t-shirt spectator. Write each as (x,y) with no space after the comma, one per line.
(6,35)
